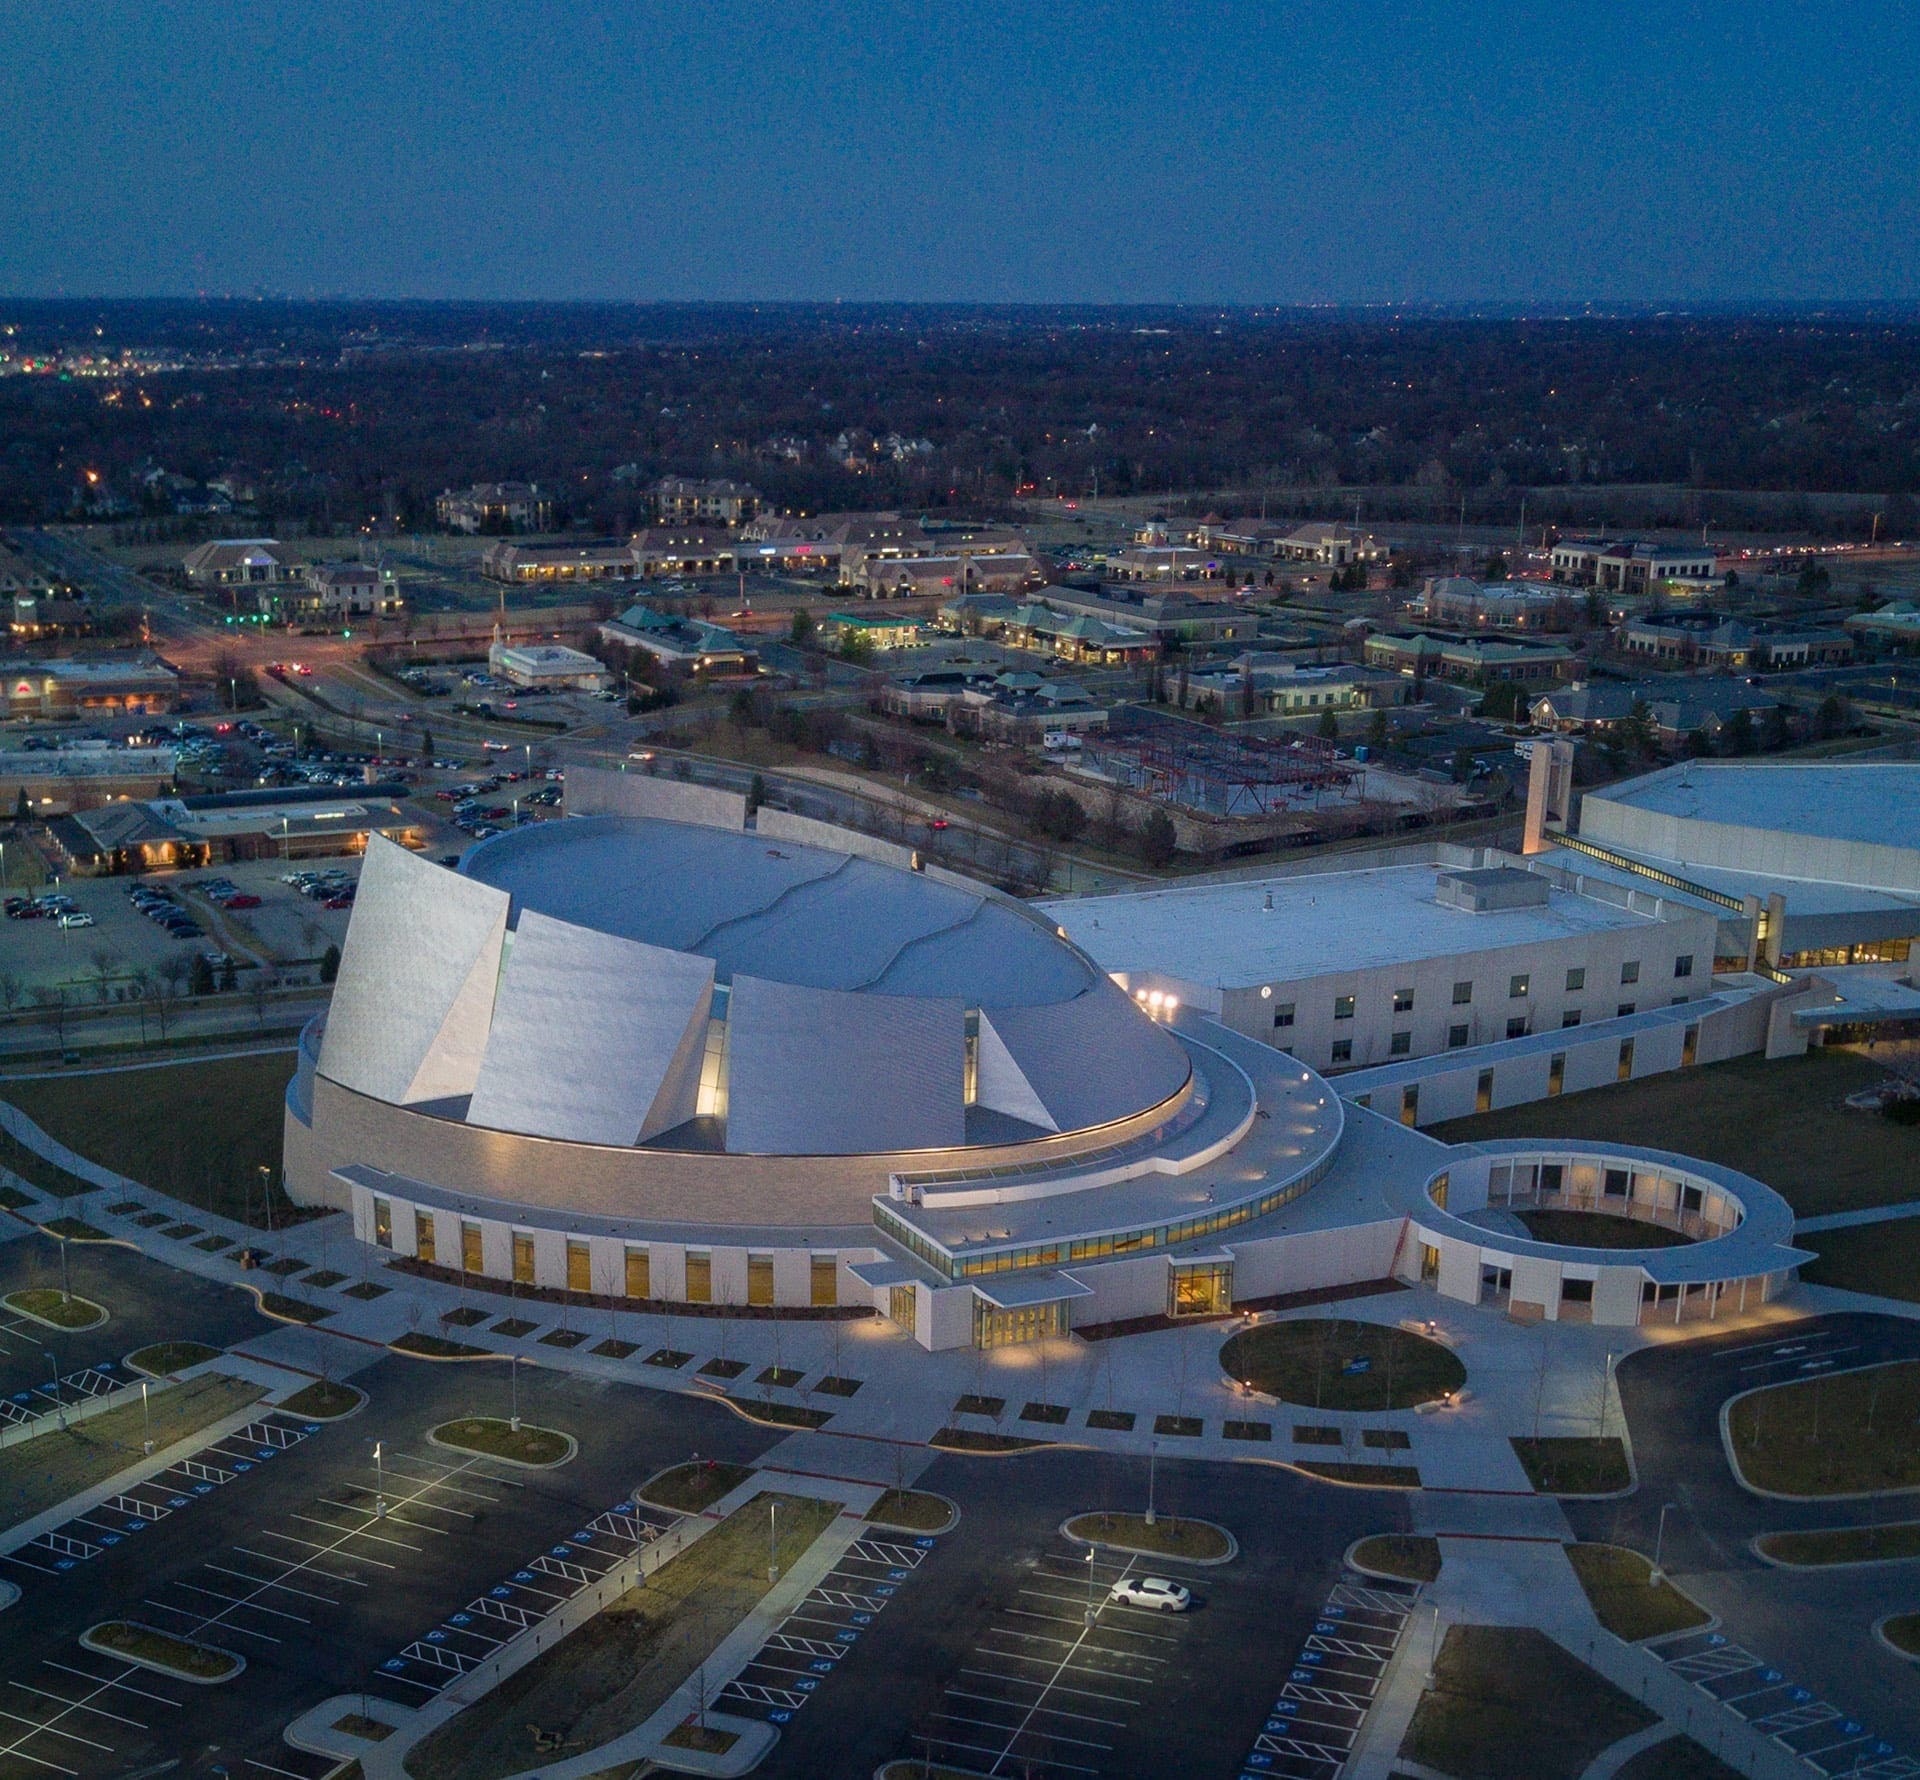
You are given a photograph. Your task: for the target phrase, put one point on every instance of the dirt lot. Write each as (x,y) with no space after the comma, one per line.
(1783,1122)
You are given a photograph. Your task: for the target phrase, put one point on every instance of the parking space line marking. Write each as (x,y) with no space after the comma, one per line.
(283,1587)
(82,1705)
(324,1550)
(1115,1699)
(52,1729)
(957,1693)
(36,1760)
(267,1557)
(252,1606)
(120,1681)
(987,1724)
(1029,1762)
(366,1532)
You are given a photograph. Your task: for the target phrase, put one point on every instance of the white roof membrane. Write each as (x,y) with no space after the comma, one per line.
(1084,1060)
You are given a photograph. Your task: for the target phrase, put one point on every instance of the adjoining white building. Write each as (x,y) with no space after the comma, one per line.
(1346,969)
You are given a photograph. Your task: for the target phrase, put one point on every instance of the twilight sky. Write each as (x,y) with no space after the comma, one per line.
(998,150)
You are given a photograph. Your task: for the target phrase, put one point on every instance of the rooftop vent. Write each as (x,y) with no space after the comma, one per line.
(1497,887)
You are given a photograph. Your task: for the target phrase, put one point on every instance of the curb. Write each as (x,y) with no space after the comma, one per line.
(1787,1564)
(89,1642)
(890,1526)
(1353,1564)
(1753,1489)
(105,1316)
(1880,1636)
(494,1458)
(1172,1557)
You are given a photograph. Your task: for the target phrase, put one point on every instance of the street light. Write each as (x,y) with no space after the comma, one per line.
(513,1387)
(1654,1576)
(146,1420)
(1153,1459)
(53,1384)
(1091,1615)
(380,1482)
(773,1550)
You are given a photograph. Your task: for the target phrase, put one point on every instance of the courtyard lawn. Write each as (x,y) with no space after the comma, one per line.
(1880,1258)
(1332,1363)
(1842,1435)
(1782,1122)
(615,1671)
(1414,1557)
(198,1132)
(1843,1545)
(1598,1229)
(1507,1703)
(1574,1464)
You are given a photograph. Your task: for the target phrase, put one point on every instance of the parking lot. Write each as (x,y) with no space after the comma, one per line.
(271,1543)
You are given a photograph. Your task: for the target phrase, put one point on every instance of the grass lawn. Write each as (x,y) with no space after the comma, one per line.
(57,1463)
(184,1657)
(172,1356)
(913,1511)
(1678,1758)
(781,1415)
(323,1400)
(703,1739)
(1414,1557)
(1332,1363)
(368,1730)
(692,1488)
(1903,1633)
(1598,1229)
(615,1671)
(1574,1464)
(1879,1258)
(1834,1436)
(195,1131)
(968,1440)
(1844,1545)
(1167,1537)
(74,1229)
(498,1439)
(434,1347)
(1389,1477)
(1624,1598)
(291,1310)
(46,1303)
(1782,1122)
(1508,1703)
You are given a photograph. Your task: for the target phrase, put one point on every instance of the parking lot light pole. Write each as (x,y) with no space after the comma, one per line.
(513,1389)
(66,1278)
(773,1550)
(380,1482)
(1153,1459)
(266,1193)
(53,1384)
(146,1420)
(1090,1611)
(1655,1576)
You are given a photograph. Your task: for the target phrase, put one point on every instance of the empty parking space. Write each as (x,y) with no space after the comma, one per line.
(122,1516)
(529,1595)
(1059,1674)
(839,1613)
(1823,1736)
(74,1715)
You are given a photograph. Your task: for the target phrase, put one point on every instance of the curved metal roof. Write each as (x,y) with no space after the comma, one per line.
(782,911)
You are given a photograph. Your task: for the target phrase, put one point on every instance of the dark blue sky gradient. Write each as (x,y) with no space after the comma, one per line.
(1063,150)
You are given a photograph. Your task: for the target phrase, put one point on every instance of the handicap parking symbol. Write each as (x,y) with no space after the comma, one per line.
(523,1576)
(863,1619)
(203,1489)
(63,1563)
(176,1501)
(1300,1675)
(109,1538)
(241,1465)
(623,1507)
(136,1526)
(561,1551)
(804,1685)
(821,1667)
(393,1665)
(780,1717)
(500,1593)
(461,1619)
(436,1636)
(896,1576)
(311,1428)
(883,1591)
(924,1544)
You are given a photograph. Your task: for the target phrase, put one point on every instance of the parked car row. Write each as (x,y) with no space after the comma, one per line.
(55,907)
(161,907)
(330,889)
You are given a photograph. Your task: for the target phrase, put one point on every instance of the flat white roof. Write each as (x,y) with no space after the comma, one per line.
(1877,802)
(1225,936)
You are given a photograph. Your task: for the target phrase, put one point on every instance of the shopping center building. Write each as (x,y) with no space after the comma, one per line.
(674,1054)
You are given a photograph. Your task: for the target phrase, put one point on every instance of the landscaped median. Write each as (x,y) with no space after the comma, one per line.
(612,1674)
(206,1665)
(324,1401)
(1408,1557)
(1901,1632)
(165,1358)
(694,1487)
(1625,1598)
(1841,1545)
(536,1448)
(1845,1434)
(57,1463)
(1575,1464)
(914,1511)
(56,1309)
(1191,1541)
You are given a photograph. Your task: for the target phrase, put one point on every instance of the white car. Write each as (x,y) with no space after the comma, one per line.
(1155,1593)
(76,919)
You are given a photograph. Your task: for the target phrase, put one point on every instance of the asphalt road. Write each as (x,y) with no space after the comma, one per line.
(287,1565)
(146,1301)
(1191,1703)
(1815,1624)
